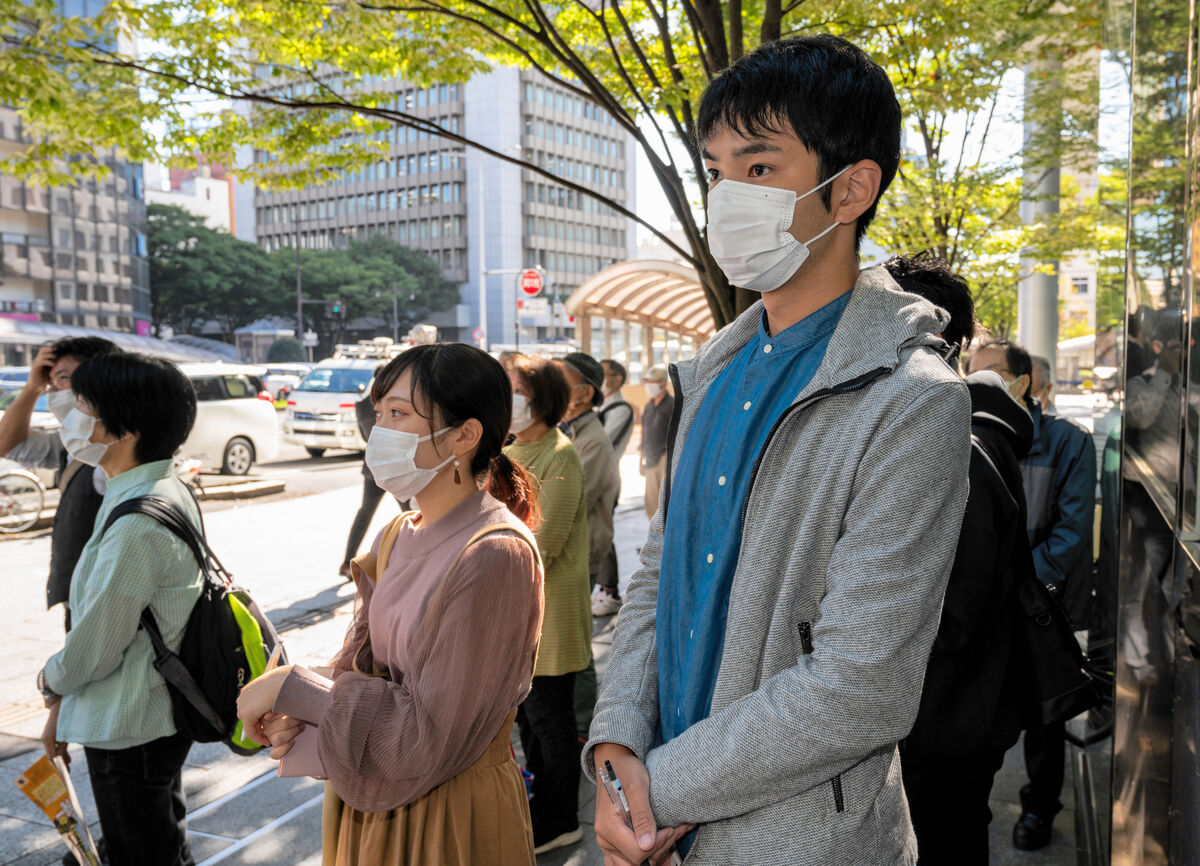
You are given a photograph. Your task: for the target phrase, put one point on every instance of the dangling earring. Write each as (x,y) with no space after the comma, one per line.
(457,477)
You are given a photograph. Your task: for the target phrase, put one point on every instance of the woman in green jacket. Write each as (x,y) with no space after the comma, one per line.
(547,718)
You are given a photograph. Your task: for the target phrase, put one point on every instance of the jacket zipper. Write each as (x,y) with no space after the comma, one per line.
(806,644)
(672,431)
(839,804)
(844,388)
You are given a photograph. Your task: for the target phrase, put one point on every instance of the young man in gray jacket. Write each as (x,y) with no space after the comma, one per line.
(771,649)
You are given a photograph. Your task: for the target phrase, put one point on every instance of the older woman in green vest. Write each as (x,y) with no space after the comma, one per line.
(547,718)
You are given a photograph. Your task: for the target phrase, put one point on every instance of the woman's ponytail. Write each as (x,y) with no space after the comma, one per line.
(509,482)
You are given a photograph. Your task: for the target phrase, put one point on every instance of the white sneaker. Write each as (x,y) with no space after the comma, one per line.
(604,603)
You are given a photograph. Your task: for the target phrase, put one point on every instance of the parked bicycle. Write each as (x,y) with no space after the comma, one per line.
(22,497)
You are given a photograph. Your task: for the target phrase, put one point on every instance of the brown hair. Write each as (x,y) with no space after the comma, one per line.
(456,382)
(548,383)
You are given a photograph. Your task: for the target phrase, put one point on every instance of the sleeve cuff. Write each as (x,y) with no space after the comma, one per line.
(304,695)
(610,727)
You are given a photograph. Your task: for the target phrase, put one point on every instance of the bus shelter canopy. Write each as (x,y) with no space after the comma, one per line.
(651,293)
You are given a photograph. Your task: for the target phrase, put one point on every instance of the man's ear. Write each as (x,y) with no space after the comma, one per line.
(856,190)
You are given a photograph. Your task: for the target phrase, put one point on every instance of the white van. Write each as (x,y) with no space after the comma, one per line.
(320,410)
(236,423)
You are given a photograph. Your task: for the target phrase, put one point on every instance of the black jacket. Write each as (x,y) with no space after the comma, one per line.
(969,705)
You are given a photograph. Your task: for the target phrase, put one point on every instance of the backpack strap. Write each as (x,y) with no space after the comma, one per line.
(167,663)
(167,514)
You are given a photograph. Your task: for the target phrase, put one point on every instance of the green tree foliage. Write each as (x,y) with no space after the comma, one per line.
(199,275)
(363,276)
(296,81)
(286,350)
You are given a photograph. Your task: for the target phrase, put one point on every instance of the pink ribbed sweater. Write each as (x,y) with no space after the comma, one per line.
(457,669)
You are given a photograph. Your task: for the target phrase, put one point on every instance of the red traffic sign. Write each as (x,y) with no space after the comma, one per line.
(530,282)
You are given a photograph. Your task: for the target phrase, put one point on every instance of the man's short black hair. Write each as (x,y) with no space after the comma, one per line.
(135,393)
(615,368)
(836,99)
(934,280)
(1018,362)
(82,348)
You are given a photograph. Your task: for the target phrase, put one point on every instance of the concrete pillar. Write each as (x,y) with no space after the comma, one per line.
(647,347)
(608,338)
(1037,293)
(583,330)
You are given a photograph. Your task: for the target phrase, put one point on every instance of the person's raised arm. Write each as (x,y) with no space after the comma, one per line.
(14,421)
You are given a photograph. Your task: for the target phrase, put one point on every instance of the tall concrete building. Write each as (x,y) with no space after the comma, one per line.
(440,197)
(74,255)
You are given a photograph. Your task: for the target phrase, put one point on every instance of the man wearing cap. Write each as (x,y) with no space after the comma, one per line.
(656,418)
(603,480)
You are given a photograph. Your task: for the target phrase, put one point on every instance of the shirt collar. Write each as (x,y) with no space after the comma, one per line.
(814,327)
(145,472)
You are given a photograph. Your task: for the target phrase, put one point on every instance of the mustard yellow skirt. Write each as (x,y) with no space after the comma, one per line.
(481,816)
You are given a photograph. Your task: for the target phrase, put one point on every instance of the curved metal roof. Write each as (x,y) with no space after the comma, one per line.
(651,293)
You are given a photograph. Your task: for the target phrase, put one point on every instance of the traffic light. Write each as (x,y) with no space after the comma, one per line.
(339,309)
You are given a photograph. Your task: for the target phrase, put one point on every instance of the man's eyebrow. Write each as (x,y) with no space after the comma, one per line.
(748,150)
(757,147)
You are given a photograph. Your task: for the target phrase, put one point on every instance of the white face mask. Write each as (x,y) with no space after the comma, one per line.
(522,415)
(390,457)
(60,403)
(748,233)
(76,433)
(653,389)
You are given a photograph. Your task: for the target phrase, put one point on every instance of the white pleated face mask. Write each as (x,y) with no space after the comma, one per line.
(76,433)
(522,416)
(60,403)
(748,233)
(391,457)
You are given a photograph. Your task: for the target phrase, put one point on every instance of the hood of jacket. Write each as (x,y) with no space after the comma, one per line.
(880,323)
(992,406)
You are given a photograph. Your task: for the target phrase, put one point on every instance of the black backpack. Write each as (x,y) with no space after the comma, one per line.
(225,644)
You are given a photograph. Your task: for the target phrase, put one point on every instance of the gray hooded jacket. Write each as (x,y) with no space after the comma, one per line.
(849,533)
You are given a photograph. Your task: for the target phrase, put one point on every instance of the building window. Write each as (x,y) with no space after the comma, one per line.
(1080,285)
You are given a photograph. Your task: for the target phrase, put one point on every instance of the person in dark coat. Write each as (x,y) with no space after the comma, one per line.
(969,715)
(1059,474)
(364,413)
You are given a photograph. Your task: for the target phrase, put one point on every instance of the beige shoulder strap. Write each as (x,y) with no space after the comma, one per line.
(369,562)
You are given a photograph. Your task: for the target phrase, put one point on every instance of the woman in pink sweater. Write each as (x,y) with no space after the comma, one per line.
(412,725)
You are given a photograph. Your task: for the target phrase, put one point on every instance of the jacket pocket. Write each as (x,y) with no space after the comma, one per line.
(806,648)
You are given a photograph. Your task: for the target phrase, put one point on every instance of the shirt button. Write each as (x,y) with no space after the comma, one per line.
(767,349)
(721,481)
(746,406)
(710,557)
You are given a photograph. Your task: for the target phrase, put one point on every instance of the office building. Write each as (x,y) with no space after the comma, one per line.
(438,196)
(74,255)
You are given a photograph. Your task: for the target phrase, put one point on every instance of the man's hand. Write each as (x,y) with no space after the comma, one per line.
(39,370)
(645,842)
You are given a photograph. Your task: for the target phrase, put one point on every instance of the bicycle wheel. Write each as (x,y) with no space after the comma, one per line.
(21,501)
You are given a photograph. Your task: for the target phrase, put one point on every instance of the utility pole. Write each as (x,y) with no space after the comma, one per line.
(395,316)
(299,286)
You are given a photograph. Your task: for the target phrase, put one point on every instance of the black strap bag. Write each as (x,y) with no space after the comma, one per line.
(1056,677)
(226,641)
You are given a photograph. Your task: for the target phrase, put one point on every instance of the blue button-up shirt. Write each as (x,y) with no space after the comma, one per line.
(703,531)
